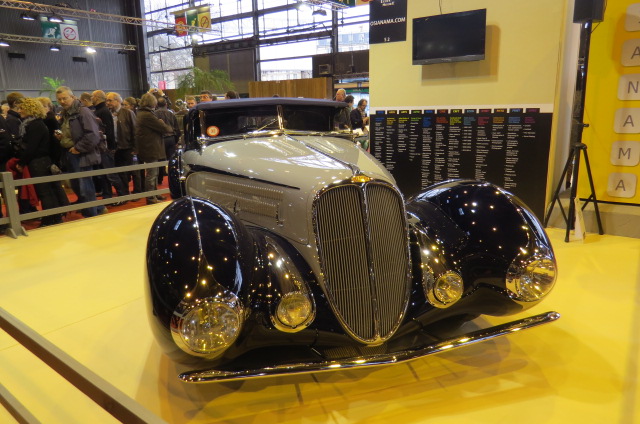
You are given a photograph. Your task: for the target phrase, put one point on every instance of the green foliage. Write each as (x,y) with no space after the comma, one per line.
(50,85)
(215,81)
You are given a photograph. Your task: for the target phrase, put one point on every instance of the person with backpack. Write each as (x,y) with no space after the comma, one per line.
(80,136)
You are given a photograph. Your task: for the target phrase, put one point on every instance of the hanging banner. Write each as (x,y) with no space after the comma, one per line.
(192,19)
(181,26)
(204,19)
(67,30)
(49,29)
(387,21)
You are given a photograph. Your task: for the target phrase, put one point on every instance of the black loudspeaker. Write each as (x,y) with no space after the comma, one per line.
(588,10)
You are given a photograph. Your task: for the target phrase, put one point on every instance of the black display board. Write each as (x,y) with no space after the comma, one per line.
(505,146)
(387,21)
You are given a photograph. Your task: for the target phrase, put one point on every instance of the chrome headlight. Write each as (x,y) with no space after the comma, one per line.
(208,326)
(448,288)
(294,310)
(443,291)
(531,279)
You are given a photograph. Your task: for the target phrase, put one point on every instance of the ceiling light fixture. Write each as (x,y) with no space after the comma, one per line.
(91,50)
(55,19)
(303,6)
(3,43)
(29,16)
(319,12)
(55,48)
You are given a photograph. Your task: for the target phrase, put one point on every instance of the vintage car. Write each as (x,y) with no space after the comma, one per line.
(289,249)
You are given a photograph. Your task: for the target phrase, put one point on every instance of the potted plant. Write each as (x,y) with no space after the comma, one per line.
(196,80)
(50,85)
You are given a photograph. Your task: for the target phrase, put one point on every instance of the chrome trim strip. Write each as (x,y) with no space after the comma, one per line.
(202,168)
(348,165)
(213,375)
(206,141)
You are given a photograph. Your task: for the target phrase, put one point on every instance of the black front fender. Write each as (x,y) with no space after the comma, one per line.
(483,229)
(191,242)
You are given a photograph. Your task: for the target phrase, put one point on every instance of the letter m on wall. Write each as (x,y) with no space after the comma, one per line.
(625,153)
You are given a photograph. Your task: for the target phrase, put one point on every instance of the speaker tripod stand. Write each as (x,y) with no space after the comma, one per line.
(573,164)
(573,161)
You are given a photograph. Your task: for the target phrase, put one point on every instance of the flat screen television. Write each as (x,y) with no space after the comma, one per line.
(450,37)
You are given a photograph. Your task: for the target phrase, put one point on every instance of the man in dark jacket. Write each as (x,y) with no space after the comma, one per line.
(103,113)
(13,117)
(342,119)
(125,126)
(80,137)
(149,146)
(359,118)
(169,139)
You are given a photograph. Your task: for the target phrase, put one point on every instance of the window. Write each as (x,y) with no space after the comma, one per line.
(285,69)
(287,35)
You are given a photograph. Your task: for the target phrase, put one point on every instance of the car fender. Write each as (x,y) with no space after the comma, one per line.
(196,249)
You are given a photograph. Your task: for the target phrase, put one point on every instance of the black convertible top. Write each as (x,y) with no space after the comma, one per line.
(268,101)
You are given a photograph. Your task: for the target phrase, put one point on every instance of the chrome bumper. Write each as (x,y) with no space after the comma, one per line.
(213,375)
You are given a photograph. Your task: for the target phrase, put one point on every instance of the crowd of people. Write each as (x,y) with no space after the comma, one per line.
(350,117)
(101,130)
(95,130)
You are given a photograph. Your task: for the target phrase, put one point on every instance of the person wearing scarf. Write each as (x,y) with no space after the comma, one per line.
(36,142)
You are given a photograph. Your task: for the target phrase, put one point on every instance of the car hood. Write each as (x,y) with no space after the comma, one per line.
(305,162)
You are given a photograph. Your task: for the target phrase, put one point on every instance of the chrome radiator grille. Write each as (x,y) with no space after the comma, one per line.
(364,256)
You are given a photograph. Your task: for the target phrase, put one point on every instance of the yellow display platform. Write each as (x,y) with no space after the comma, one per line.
(80,285)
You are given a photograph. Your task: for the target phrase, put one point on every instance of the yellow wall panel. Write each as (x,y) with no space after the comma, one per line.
(521,65)
(612,106)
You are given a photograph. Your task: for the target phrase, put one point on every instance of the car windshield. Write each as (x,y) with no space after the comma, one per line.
(230,121)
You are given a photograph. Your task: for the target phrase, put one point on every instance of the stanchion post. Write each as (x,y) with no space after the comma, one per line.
(13,211)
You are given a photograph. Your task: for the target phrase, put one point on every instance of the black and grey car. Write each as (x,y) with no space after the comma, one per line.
(289,249)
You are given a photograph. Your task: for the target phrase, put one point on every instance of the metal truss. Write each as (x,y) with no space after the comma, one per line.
(327,4)
(58,41)
(68,12)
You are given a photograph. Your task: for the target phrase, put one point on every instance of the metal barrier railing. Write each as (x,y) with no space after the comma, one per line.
(14,218)
(115,402)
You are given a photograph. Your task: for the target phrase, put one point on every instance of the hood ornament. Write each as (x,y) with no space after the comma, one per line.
(360,178)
